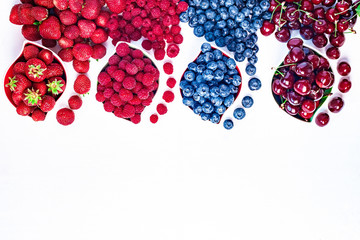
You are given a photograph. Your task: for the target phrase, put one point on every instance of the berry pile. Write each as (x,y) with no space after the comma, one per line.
(155,20)
(128,83)
(210,84)
(77,26)
(303,81)
(35,82)
(230,23)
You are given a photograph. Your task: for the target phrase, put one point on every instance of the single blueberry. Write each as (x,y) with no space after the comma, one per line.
(184,17)
(207,107)
(210,14)
(202,100)
(214,91)
(189,76)
(240,47)
(199,31)
(257,23)
(248,53)
(230,23)
(188,102)
(229,3)
(228,40)
(228,124)
(217,101)
(222,2)
(249,43)
(253,59)
(205,47)
(195,83)
(229,100)
(202,19)
(217,33)
(233,89)
(218,75)
(236,80)
(230,63)
(214,4)
(250,70)
(237,33)
(188,91)
(196,97)
(266,15)
(221,65)
(209,36)
(215,118)
(233,11)
(191,12)
(231,46)
(200,68)
(224,14)
(208,75)
(221,24)
(199,79)
(205,4)
(257,11)
(209,56)
(255,49)
(220,42)
(217,54)
(246,12)
(205,116)
(239,113)
(202,89)
(250,3)
(254,38)
(240,17)
(212,66)
(220,110)
(224,90)
(197,109)
(245,24)
(247,102)
(264,4)
(200,58)
(183,83)
(227,80)
(192,66)
(208,26)
(239,57)
(254,84)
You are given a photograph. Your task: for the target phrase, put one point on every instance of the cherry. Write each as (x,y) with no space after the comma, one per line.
(305,115)
(343,68)
(337,40)
(307,5)
(294,98)
(277,88)
(292,14)
(322,119)
(296,54)
(274,5)
(323,79)
(307,18)
(308,106)
(288,80)
(314,60)
(336,104)
(295,42)
(302,87)
(278,19)
(324,64)
(291,109)
(283,35)
(320,40)
(330,28)
(331,15)
(320,26)
(304,69)
(342,25)
(342,6)
(307,32)
(319,13)
(344,85)
(294,25)
(316,93)
(333,53)
(267,28)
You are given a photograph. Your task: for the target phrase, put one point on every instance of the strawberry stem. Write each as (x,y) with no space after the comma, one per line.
(12,83)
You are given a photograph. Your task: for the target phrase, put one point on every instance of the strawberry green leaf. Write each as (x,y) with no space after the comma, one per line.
(358,10)
(12,83)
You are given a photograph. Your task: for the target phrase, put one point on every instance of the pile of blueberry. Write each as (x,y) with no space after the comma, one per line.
(230,23)
(210,84)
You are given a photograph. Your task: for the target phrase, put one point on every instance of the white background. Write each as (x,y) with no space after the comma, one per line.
(270,177)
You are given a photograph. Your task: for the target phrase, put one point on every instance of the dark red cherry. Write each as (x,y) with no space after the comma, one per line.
(343,68)
(304,69)
(323,79)
(288,80)
(305,115)
(324,64)
(342,6)
(337,40)
(283,35)
(344,85)
(316,93)
(291,109)
(336,104)
(307,18)
(277,88)
(295,42)
(320,26)
(322,119)
(330,28)
(328,3)
(320,40)
(308,106)
(302,87)
(307,5)
(333,53)
(294,98)
(314,60)
(319,13)
(274,5)
(307,32)
(331,15)
(267,28)
(294,25)
(292,14)
(316,2)
(278,19)
(342,25)
(296,54)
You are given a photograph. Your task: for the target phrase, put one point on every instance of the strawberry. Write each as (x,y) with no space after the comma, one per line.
(14,15)
(30,32)
(16,97)
(66,55)
(65,42)
(86,27)
(46,56)
(82,84)
(41,86)
(76,5)
(39,13)
(56,85)
(38,115)
(31,97)
(54,70)
(61,4)
(102,19)
(116,6)
(67,17)
(22,109)
(65,116)
(50,28)
(25,14)
(47,103)
(72,32)
(75,102)
(45,3)
(91,9)
(99,51)
(19,68)
(35,70)
(18,83)
(30,51)
(81,66)
(99,36)
(82,51)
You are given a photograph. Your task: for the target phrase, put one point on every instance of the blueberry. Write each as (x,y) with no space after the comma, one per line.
(214,4)
(236,81)
(196,97)
(257,23)
(227,80)
(200,68)
(239,57)
(231,46)
(202,19)
(222,2)
(202,89)
(228,124)
(246,12)
(200,58)
(183,83)
(230,63)
(209,56)
(254,84)
(217,33)
(221,24)
(247,102)
(218,75)
(233,89)
(253,59)
(233,11)
(207,107)
(205,47)
(230,23)
(188,102)
(191,12)
(229,3)
(212,66)
(196,2)
(197,109)
(257,11)
(184,17)
(250,70)
(209,36)
(195,83)
(240,47)
(250,3)
(220,110)
(255,49)
(189,76)
(249,43)
(229,100)
(266,15)
(217,101)
(215,118)
(217,54)
(214,91)
(199,78)
(208,26)
(205,4)
(208,75)
(254,38)
(210,14)
(220,42)
(237,33)
(245,24)
(205,116)
(221,65)
(224,14)
(232,72)
(192,66)
(239,113)
(202,100)
(224,90)
(188,91)
(264,4)
(217,18)
(240,17)
(248,53)
(199,31)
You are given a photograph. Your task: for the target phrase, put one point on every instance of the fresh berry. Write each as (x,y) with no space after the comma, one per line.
(161,109)
(168,68)
(168,96)
(37,115)
(35,70)
(65,116)
(82,84)
(47,103)
(75,102)
(154,118)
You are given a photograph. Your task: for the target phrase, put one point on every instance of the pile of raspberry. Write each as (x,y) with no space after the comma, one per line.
(127,83)
(155,20)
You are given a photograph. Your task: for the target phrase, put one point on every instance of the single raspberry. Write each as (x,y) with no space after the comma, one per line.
(100,97)
(146,22)
(108,92)
(114,60)
(65,116)
(143,94)
(146,44)
(139,63)
(166,20)
(108,107)
(122,64)
(137,53)
(155,12)
(117,86)
(100,88)
(159,54)
(139,108)
(157,30)
(182,7)
(136,119)
(118,112)
(129,83)
(175,30)
(119,75)
(131,69)
(115,100)
(169,38)
(136,35)
(168,68)
(148,101)
(154,118)
(123,49)
(111,70)
(128,111)
(171,82)
(172,50)
(104,78)
(161,109)
(149,68)
(112,24)
(125,95)
(135,101)
(175,20)
(153,87)
(127,14)
(172,11)
(137,22)
(135,12)
(38,115)
(75,102)
(148,79)
(168,96)
(147,61)
(109,85)
(178,39)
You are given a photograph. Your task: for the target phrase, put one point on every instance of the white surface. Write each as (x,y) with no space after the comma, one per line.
(271,177)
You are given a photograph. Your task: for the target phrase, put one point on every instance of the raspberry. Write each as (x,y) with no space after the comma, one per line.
(117,86)
(146,22)
(100,88)
(161,109)
(175,20)
(172,50)
(166,20)
(178,39)
(139,108)
(128,111)
(175,30)
(135,101)
(118,112)
(115,100)
(125,95)
(129,29)
(114,60)
(138,87)
(129,83)
(108,107)
(119,75)
(111,69)
(104,78)
(100,97)
(148,79)
(168,96)
(136,119)
(157,30)
(164,5)
(148,101)
(122,64)
(123,49)
(159,54)
(131,69)
(146,44)
(112,24)
(139,64)
(154,118)
(182,7)
(137,53)
(168,68)
(149,68)
(108,92)
(128,58)
(169,38)
(171,82)
(127,15)
(155,12)
(143,94)
(136,35)
(153,87)
(135,12)
(75,102)
(137,22)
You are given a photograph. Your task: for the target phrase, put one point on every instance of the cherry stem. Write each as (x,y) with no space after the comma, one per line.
(278,72)
(351,31)
(351,18)
(347,9)
(282,105)
(308,15)
(281,12)
(286,65)
(272,15)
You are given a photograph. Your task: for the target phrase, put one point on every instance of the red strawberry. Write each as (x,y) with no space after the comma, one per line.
(72,32)
(30,32)
(54,70)
(65,42)
(66,55)
(102,19)
(41,86)
(75,102)
(19,68)
(65,116)
(14,15)
(47,103)
(82,51)
(91,9)
(39,13)
(31,97)
(116,6)
(81,66)
(18,83)
(35,70)
(45,3)
(38,115)
(46,56)
(50,28)
(61,4)
(76,5)
(22,109)
(86,27)
(16,97)
(56,85)
(25,14)
(99,51)
(99,36)
(67,17)
(82,84)
(30,51)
